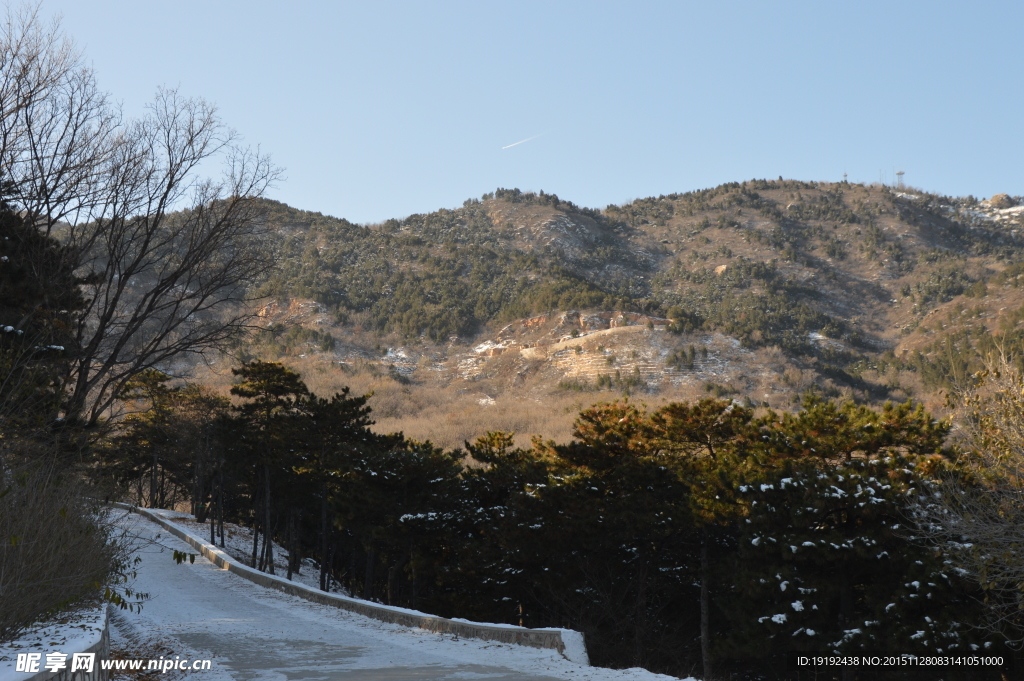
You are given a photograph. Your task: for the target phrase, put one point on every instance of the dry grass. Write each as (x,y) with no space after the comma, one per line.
(451,414)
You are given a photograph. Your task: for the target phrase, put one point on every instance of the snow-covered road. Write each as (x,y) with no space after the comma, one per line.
(251,632)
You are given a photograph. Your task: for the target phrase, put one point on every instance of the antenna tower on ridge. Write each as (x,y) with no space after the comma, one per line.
(899,179)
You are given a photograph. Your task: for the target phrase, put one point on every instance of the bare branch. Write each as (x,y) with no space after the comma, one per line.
(163,253)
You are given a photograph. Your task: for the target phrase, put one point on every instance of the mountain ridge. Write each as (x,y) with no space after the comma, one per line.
(837,286)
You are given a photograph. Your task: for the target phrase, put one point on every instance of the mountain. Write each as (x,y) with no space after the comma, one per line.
(762,290)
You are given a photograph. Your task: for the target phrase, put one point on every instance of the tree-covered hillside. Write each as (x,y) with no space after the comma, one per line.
(427,276)
(833,271)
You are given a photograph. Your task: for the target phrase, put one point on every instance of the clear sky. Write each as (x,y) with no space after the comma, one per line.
(383,109)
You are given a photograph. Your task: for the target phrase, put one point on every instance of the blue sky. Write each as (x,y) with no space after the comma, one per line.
(383,109)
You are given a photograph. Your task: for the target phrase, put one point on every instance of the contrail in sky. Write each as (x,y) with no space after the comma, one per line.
(521,141)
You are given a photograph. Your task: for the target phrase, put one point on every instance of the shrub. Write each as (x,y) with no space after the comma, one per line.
(57,549)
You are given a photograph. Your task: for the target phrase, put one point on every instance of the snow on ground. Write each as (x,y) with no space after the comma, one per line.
(490,345)
(71,633)
(238,545)
(254,633)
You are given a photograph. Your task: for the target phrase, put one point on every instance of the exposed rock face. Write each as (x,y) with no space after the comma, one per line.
(1000,201)
(294,311)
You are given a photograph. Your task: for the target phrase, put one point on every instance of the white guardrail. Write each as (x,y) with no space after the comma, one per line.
(566,641)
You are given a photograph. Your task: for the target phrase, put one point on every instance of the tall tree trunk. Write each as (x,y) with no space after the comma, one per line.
(291,542)
(220,505)
(152,483)
(323,536)
(330,563)
(213,522)
(162,489)
(393,572)
(705,607)
(269,537)
(265,556)
(195,488)
(371,559)
(255,523)
(295,552)
(262,557)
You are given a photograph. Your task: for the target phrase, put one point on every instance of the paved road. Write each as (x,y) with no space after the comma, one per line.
(254,633)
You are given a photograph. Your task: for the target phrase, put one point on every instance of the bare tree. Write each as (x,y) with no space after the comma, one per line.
(163,255)
(977,518)
(161,283)
(58,132)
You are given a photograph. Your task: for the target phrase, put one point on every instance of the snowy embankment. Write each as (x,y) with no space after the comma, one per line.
(83,631)
(201,610)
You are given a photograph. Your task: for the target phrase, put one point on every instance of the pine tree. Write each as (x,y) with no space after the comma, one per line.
(394,491)
(826,561)
(331,434)
(704,444)
(604,542)
(39,304)
(272,392)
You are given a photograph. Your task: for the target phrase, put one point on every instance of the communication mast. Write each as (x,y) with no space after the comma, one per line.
(899,179)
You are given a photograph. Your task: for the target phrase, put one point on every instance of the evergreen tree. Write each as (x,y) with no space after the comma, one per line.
(332,434)
(823,553)
(164,450)
(39,304)
(392,490)
(704,444)
(482,529)
(272,392)
(605,543)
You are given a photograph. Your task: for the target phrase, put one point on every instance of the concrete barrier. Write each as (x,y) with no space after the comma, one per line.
(566,641)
